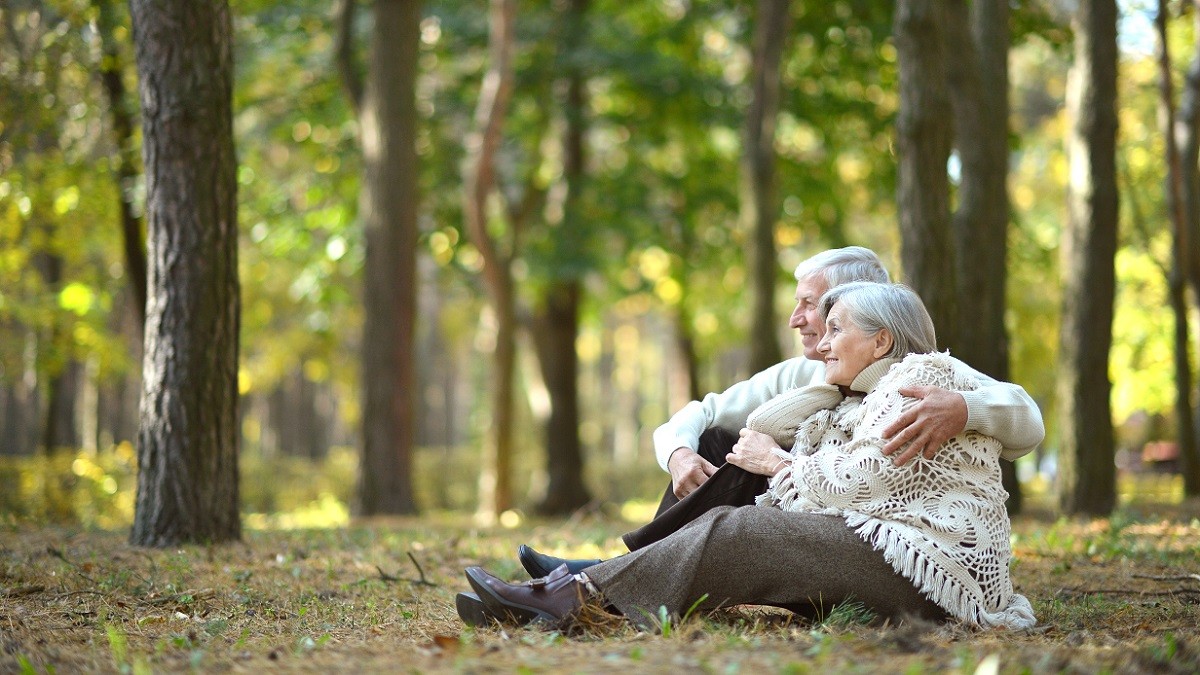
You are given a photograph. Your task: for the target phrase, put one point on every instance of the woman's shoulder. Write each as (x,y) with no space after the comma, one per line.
(937,369)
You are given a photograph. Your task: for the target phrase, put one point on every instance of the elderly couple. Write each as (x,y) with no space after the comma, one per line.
(868,471)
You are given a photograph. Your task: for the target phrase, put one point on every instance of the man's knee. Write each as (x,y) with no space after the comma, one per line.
(715,444)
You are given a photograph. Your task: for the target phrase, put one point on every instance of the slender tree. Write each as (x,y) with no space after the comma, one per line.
(496,493)
(388,204)
(1087,474)
(758,189)
(1177,205)
(112,76)
(188,435)
(556,319)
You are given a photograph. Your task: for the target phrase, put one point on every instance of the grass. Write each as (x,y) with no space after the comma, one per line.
(1111,595)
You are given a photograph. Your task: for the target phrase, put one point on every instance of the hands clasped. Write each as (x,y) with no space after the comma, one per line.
(754,452)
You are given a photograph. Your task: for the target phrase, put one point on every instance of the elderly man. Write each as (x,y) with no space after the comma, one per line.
(939,416)
(703,435)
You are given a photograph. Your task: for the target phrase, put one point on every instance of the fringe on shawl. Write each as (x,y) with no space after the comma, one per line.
(933,582)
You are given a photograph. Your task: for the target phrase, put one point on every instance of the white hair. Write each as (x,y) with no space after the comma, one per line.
(839,266)
(873,306)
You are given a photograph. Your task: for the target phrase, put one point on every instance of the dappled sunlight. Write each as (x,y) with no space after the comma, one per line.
(639,511)
(326,512)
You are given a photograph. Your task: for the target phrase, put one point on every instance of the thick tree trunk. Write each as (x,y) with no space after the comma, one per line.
(388,122)
(188,436)
(758,209)
(923,139)
(1087,475)
(978,38)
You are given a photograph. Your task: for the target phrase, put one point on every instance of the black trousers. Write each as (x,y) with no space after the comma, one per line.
(729,486)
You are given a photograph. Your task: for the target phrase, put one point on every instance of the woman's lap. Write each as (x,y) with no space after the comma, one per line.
(758,555)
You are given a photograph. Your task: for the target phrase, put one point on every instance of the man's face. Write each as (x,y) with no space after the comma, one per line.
(806,318)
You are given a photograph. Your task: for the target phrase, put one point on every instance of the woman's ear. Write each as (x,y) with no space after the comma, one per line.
(883,343)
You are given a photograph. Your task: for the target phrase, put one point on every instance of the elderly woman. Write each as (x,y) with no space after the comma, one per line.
(839,520)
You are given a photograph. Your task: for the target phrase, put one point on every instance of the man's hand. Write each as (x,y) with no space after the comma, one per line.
(753,452)
(938,416)
(688,471)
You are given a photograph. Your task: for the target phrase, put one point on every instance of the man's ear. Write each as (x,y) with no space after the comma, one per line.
(883,343)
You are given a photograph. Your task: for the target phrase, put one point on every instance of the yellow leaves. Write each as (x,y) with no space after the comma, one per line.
(706,324)
(668,290)
(66,200)
(301,131)
(76,297)
(316,370)
(588,346)
(852,169)
(653,263)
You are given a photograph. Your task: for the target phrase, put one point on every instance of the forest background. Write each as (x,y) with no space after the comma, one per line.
(622,203)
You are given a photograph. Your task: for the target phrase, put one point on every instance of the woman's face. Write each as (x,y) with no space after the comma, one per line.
(847,349)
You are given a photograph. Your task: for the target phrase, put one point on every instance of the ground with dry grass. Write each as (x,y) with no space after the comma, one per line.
(1120,595)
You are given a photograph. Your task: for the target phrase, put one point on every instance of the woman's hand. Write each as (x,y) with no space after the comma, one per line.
(754,452)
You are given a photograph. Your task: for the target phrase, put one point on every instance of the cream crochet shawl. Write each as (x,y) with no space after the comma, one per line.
(940,522)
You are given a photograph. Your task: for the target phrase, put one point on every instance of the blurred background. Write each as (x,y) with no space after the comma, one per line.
(642,221)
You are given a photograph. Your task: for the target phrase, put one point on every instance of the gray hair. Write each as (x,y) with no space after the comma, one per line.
(843,265)
(872,307)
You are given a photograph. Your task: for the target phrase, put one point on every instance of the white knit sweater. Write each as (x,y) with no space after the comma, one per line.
(940,522)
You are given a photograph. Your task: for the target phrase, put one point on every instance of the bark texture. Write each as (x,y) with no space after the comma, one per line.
(978,38)
(188,434)
(924,133)
(388,123)
(1087,475)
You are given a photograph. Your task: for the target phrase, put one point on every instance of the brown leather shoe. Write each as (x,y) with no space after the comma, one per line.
(473,612)
(550,599)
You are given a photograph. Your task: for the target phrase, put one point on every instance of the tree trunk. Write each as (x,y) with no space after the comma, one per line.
(1186,133)
(923,139)
(757,194)
(188,435)
(979,37)
(556,325)
(112,76)
(1087,475)
(60,370)
(555,330)
(495,493)
(388,122)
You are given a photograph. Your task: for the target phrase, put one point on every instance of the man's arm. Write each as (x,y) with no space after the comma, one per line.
(1001,410)
(730,408)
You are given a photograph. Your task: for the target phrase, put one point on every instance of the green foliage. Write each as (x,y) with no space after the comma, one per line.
(654,235)
(93,489)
